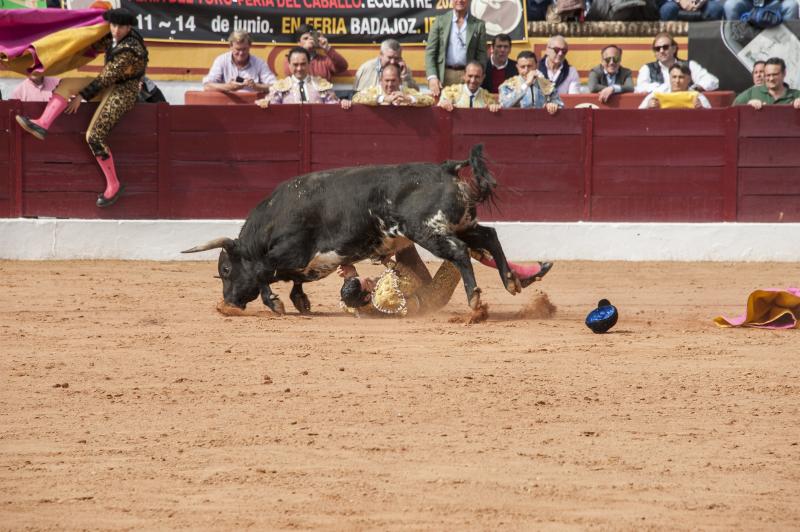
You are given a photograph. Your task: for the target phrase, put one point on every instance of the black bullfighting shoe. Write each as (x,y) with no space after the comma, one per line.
(27,124)
(103,202)
(527,281)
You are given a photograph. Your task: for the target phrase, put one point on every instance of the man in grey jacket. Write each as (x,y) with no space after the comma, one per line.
(610,77)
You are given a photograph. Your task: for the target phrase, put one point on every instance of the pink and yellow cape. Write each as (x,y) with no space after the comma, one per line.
(52,41)
(771,308)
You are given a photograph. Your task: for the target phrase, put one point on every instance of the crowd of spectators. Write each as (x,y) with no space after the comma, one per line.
(462,71)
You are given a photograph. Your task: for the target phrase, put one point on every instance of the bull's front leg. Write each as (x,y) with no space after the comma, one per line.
(485,238)
(449,247)
(300,299)
(272,301)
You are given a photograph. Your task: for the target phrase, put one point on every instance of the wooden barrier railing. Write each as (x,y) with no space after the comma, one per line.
(581,164)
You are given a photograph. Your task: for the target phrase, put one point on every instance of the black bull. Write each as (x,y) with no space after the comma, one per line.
(315,222)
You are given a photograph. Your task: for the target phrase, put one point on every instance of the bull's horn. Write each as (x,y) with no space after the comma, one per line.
(221,242)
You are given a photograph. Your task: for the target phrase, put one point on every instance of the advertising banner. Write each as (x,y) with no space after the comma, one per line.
(342,21)
(729,49)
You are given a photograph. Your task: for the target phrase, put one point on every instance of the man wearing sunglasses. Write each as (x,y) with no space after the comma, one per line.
(654,77)
(610,77)
(556,68)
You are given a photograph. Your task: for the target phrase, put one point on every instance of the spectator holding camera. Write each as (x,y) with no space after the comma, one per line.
(369,73)
(238,70)
(325,61)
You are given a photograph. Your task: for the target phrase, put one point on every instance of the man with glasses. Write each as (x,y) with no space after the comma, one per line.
(369,74)
(774,91)
(238,70)
(455,39)
(654,77)
(610,77)
(556,68)
(499,67)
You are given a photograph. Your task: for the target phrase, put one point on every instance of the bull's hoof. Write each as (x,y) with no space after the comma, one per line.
(513,284)
(479,315)
(276,305)
(475,299)
(302,304)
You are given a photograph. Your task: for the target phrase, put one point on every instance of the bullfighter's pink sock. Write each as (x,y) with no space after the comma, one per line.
(112,183)
(521,271)
(54,108)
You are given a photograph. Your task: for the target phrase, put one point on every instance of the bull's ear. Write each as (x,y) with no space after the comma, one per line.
(225,243)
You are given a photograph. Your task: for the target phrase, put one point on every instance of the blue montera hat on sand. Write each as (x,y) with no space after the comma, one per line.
(603,317)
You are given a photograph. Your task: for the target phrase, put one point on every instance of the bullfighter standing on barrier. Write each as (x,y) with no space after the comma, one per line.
(116,88)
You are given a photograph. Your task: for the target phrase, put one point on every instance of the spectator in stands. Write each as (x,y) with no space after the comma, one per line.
(758,72)
(768,13)
(556,68)
(391,92)
(116,88)
(499,67)
(537,9)
(619,10)
(679,96)
(369,73)
(654,77)
(530,89)
(455,39)
(610,77)
(301,86)
(238,70)
(325,61)
(36,88)
(470,94)
(691,10)
(774,91)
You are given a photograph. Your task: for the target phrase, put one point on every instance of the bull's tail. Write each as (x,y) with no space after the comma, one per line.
(483,183)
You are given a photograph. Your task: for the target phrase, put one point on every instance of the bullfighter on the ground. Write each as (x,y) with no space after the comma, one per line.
(405,289)
(116,88)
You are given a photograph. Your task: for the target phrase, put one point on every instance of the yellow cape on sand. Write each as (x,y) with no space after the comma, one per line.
(676,100)
(773,308)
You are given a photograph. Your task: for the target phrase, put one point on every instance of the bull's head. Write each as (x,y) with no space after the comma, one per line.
(240,283)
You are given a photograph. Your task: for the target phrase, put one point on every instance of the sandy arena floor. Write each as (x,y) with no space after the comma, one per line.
(128,402)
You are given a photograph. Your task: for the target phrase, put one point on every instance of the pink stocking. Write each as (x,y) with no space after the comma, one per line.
(112,183)
(521,271)
(55,107)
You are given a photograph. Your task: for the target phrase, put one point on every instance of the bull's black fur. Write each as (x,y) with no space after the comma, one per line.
(350,214)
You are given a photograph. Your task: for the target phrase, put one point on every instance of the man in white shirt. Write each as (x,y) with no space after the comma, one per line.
(237,70)
(654,77)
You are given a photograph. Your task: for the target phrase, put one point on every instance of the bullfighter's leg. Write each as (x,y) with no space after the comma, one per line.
(66,88)
(114,103)
(300,299)
(410,257)
(272,301)
(450,247)
(481,237)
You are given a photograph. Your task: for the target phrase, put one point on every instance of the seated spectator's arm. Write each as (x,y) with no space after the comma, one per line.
(643,83)
(265,78)
(702,78)
(215,81)
(408,79)
(627,84)
(553,97)
(743,97)
(594,82)
(573,81)
(338,62)
(510,97)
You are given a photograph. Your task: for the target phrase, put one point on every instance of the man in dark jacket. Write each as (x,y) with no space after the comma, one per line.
(499,67)
(610,77)
(116,88)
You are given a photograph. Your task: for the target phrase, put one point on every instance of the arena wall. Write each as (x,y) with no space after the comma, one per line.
(218,162)
(53,239)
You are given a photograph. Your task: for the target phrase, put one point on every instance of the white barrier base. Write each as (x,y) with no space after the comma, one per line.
(61,239)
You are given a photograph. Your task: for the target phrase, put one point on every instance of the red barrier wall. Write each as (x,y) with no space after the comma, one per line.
(604,165)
